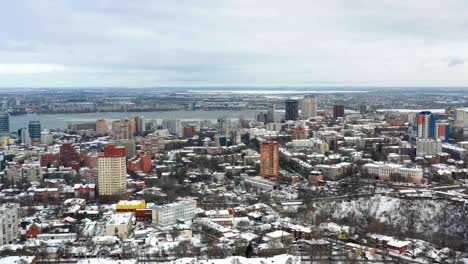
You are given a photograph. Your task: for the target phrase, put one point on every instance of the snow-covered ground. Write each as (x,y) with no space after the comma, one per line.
(429,217)
(280,259)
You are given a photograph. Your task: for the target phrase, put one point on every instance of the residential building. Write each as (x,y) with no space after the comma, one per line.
(174,126)
(23,173)
(270,158)
(428,146)
(169,214)
(308,107)
(426,124)
(112,172)
(4,123)
(24,137)
(9,223)
(391,171)
(123,129)
(442,131)
(101,127)
(334,171)
(138,125)
(120,225)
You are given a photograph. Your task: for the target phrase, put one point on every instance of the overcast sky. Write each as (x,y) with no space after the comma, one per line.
(242,42)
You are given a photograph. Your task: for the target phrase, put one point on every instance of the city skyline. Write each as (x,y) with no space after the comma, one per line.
(231,43)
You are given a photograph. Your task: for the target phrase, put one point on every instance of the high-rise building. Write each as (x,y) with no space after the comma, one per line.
(23,136)
(34,128)
(308,107)
(138,125)
(101,127)
(338,111)
(4,123)
(461,118)
(123,129)
(442,131)
(112,172)
(9,221)
(269,166)
(174,126)
(426,125)
(270,117)
(291,109)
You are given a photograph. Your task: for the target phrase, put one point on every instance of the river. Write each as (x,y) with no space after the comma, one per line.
(60,121)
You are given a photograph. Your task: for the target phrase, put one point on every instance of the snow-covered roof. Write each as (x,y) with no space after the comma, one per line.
(17,259)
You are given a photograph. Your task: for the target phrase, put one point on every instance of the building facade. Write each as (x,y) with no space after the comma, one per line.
(34,128)
(338,111)
(291,109)
(9,221)
(269,159)
(112,172)
(169,214)
(426,124)
(4,123)
(308,107)
(428,146)
(101,127)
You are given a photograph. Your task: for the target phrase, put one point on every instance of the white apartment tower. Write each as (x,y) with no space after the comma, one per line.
(9,221)
(112,172)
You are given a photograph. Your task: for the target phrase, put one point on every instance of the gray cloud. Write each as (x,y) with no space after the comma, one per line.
(456,62)
(165,42)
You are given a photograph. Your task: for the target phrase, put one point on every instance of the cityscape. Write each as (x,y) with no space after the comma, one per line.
(314,177)
(233,132)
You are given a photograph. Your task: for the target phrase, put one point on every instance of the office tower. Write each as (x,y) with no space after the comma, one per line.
(101,127)
(308,107)
(426,125)
(123,129)
(138,125)
(270,115)
(34,128)
(292,109)
(269,159)
(174,126)
(23,136)
(338,111)
(9,222)
(442,131)
(4,123)
(112,172)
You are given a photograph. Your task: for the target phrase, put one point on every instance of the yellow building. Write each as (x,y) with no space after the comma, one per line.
(130,206)
(7,141)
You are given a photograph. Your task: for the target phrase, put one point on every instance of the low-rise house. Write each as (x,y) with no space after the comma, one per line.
(120,225)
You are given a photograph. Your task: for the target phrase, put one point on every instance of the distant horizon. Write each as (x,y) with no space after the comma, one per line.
(245,86)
